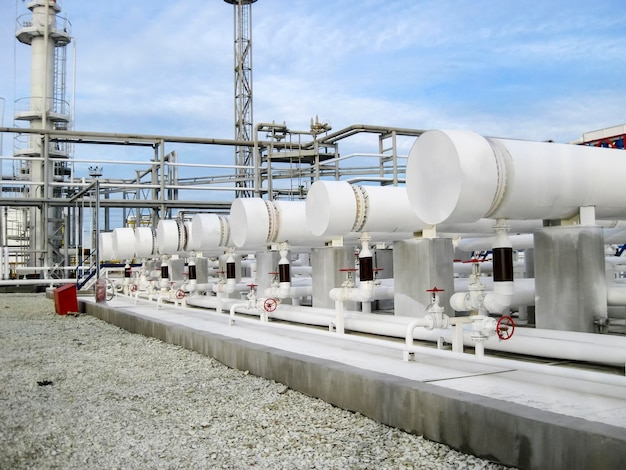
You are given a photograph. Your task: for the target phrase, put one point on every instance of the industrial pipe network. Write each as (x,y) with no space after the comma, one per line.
(489,196)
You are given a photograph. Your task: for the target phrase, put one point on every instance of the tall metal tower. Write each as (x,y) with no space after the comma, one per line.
(43,162)
(243,94)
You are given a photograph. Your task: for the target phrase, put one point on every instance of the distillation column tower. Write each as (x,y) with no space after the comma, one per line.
(42,161)
(243,94)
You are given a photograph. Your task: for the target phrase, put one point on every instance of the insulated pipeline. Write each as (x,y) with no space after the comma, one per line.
(503,264)
(284,274)
(460,176)
(192,272)
(231,272)
(366,268)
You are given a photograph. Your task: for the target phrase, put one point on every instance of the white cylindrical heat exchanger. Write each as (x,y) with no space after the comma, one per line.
(210,231)
(145,242)
(256,222)
(460,176)
(124,243)
(170,236)
(337,208)
(105,246)
(191,244)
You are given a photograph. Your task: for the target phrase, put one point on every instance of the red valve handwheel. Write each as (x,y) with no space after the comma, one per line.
(180,294)
(270,304)
(133,287)
(505,327)
(435,289)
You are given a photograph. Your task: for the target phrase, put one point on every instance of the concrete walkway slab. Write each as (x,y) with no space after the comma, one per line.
(528,418)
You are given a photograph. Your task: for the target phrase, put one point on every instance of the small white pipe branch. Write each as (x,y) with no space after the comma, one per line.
(233,307)
(286,291)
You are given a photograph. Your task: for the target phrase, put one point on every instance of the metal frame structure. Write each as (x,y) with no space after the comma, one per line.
(243,88)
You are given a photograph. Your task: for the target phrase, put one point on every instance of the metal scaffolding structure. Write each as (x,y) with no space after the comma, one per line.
(243,88)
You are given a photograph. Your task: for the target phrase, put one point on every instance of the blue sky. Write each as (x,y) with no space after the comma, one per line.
(520,69)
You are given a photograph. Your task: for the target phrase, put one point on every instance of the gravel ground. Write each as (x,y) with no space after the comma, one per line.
(78,393)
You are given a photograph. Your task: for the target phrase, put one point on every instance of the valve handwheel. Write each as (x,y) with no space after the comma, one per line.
(180,294)
(435,289)
(505,327)
(133,287)
(270,304)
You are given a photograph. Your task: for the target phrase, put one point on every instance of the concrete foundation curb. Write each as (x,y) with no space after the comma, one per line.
(501,431)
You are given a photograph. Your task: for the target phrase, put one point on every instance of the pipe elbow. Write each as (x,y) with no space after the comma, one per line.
(337,294)
(229,288)
(500,298)
(284,290)
(364,292)
(460,302)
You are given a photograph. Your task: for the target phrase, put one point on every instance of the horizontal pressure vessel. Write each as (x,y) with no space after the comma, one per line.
(145,242)
(105,246)
(460,176)
(170,236)
(256,222)
(337,208)
(210,231)
(124,243)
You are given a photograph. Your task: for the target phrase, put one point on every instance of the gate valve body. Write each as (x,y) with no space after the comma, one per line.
(435,311)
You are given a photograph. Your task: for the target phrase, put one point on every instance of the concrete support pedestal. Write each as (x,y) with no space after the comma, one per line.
(325,265)
(419,265)
(569,277)
(266,263)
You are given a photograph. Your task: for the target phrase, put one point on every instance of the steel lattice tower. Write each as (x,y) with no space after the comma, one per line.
(243,94)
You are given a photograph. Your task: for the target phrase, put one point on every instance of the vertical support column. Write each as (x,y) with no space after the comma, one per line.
(570,278)
(527,313)
(325,265)
(419,265)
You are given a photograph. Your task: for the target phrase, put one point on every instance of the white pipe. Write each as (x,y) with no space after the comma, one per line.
(230,286)
(318,319)
(362,293)
(587,347)
(523,291)
(231,316)
(301,270)
(512,179)
(6,272)
(35,282)
(289,291)
(518,241)
(616,295)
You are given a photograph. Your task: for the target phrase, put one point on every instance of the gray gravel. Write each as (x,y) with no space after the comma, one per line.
(77,392)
